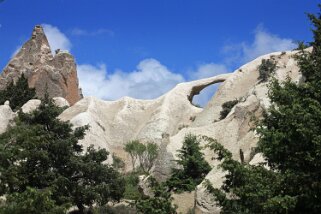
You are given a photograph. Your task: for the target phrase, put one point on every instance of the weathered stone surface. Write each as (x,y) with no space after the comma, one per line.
(114,123)
(144,186)
(167,119)
(30,106)
(61,102)
(6,115)
(33,104)
(204,201)
(57,74)
(185,201)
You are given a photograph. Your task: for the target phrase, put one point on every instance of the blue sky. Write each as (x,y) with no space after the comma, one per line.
(142,48)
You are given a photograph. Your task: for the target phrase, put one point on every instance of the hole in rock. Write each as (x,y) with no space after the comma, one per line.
(205,95)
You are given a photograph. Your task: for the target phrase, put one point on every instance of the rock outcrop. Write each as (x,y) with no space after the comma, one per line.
(114,123)
(164,120)
(167,119)
(6,116)
(33,104)
(57,74)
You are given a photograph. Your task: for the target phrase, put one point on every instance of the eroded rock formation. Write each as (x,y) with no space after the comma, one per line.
(167,119)
(164,120)
(57,74)
(114,123)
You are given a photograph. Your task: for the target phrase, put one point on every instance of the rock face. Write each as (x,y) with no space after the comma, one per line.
(114,123)
(234,132)
(56,73)
(33,104)
(6,115)
(167,119)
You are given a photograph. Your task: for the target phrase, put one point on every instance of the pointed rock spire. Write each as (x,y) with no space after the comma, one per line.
(56,73)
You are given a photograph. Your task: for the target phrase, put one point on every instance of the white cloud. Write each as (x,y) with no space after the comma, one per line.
(263,43)
(82,32)
(56,39)
(150,80)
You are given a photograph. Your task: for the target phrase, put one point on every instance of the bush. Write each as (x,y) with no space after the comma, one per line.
(160,203)
(118,163)
(266,69)
(131,186)
(227,107)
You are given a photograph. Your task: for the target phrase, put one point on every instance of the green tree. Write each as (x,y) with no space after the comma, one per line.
(132,148)
(290,140)
(192,166)
(17,93)
(146,154)
(149,156)
(32,201)
(159,203)
(247,189)
(41,151)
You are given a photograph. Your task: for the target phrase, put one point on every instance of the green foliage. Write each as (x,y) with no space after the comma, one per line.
(290,140)
(290,134)
(149,156)
(301,45)
(41,152)
(17,93)
(119,209)
(131,186)
(160,203)
(193,167)
(118,163)
(227,107)
(146,154)
(266,69)
(247,189)
(133,148)
(32,201)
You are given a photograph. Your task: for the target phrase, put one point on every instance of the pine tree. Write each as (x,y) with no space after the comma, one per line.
(17,93)
(40,151)
(192,166)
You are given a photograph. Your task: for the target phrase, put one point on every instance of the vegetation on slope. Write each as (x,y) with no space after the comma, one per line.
(290,140)
(17,93)
(41,152)
(192,167)
(227,107)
